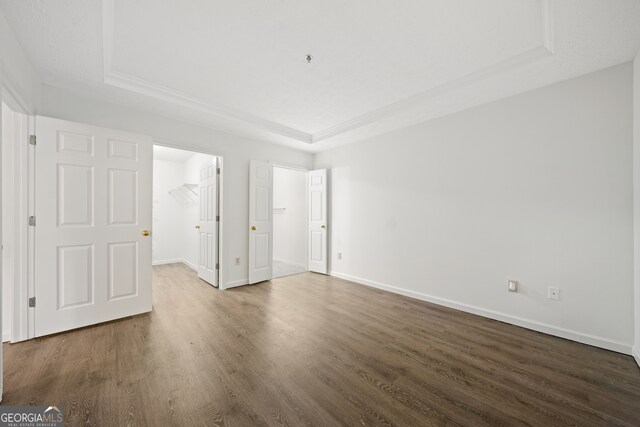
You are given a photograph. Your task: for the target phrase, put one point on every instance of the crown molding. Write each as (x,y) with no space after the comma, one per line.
(424,97)
(145,87)
(528,57)
(12,93)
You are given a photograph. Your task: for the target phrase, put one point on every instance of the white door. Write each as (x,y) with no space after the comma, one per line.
(260,221)
(93,216)
(208,218)
(318,221)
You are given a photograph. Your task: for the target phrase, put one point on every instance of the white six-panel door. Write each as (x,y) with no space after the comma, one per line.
(260,221)
(93,220)
(318,221)
(207,231)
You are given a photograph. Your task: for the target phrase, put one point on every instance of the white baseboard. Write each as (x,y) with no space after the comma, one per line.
(166,261)
(6,336)
(188,264)
(236,283)
(507,318)
(175,261)
(636,353)
(304,266)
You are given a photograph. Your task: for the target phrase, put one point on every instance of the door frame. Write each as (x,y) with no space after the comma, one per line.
(10,94)
(306,201)
(219,202)
(22,317)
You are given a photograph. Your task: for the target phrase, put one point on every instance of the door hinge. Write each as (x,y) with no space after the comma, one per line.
(217,218)
(32,221)
(32,139)
(32,302)
(218,171)
(217,266)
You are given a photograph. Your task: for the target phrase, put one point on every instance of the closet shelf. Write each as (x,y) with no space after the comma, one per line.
(186,194)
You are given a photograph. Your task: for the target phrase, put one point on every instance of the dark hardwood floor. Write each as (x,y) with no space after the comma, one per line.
(316,350)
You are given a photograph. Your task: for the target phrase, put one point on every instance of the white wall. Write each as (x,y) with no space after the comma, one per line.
(290,225)
(636,198)
(2,322)
(236,152)
(14,262)
(535,188)
(168,212)
(6,273)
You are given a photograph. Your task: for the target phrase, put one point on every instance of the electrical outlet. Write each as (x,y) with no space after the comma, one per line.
(512,286)
(339,255)
(237,260)
(554,293)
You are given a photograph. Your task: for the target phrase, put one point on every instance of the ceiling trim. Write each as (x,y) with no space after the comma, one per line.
(145,87)
(532,55)
(11,93)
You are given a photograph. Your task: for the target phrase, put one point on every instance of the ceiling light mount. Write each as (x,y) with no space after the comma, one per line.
(308,58)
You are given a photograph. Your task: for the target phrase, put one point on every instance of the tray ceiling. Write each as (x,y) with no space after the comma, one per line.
(377,65)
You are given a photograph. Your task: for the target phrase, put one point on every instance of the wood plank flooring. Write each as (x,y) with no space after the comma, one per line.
(316,350)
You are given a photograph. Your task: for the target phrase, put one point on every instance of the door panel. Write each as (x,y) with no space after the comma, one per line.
(123,197)
(123,271)
(75,195)
(318,221)
(123,150)
(92,202)
(208,221)
(260,221)
(75,276)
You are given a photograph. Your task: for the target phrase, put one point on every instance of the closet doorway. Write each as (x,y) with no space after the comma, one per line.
(186,210)
(290,221)
(288,224)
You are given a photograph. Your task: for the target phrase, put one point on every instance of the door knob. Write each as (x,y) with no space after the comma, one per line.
(145,233)
(197,227)
(253,228)
(323,226)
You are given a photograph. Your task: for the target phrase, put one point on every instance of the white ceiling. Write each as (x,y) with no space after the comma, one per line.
(377,65)
(170,154)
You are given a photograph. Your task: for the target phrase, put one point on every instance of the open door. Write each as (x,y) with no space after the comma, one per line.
(318,221)
(260,221)
(92,225)
(208,218)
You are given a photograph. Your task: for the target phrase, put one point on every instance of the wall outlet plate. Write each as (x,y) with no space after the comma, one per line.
(237,260)
(512,286)
(554,293)
(339,255)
